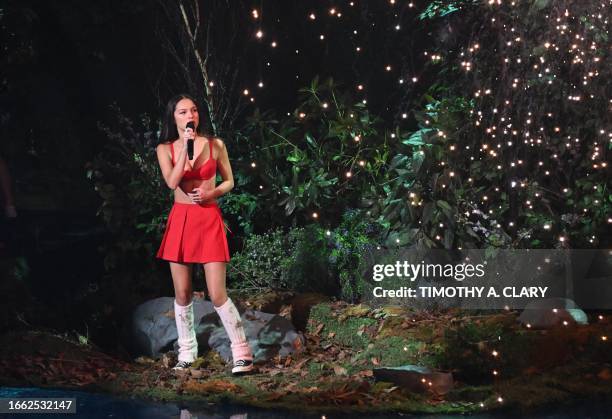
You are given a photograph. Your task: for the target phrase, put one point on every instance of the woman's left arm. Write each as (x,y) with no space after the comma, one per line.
(225,169)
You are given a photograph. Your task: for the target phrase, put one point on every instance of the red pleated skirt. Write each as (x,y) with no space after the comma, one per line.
(194,234)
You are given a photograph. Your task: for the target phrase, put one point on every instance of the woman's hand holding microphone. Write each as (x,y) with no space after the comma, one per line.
(188,139)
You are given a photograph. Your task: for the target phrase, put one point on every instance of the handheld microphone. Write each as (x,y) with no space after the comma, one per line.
(191,125)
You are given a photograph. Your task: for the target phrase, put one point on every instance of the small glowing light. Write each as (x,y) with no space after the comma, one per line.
(315,215)
(273,44)
(245,92)
(253,164)
(349,174)
(388,68)
(604,338)
(328,233)
(321,37)
(325,105)
(260,84)
(211,83)
(259,34)
(255,13)
(494,353)
(360,87)
(302,115)
(312,16)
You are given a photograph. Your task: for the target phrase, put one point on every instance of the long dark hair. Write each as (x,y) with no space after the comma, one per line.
(169,132)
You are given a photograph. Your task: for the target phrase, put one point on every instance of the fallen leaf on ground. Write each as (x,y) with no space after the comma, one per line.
(300,364)
(339,370)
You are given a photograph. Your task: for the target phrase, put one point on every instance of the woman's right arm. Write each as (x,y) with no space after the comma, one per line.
(172,173)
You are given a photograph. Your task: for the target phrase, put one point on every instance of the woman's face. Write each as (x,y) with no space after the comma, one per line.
(186,111)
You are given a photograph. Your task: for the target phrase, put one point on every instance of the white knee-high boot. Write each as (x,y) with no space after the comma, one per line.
(187,343)
(241,352)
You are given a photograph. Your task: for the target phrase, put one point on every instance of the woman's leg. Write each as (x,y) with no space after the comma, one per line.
(183,314)
(215,282)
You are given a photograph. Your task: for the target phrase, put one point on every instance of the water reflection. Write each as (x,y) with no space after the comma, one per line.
(103,406)
(186,414)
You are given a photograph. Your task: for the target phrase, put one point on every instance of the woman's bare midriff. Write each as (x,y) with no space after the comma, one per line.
(187,186)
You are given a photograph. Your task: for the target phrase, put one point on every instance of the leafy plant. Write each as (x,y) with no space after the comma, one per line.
(135,202)
(319,160)
(309,258)
(264,260)
(350,243)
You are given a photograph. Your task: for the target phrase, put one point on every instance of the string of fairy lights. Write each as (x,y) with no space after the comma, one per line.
(568,46)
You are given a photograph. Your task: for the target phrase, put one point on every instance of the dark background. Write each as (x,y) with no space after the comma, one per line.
(67,61)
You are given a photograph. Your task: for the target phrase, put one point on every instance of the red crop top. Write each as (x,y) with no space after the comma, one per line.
(205,171)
